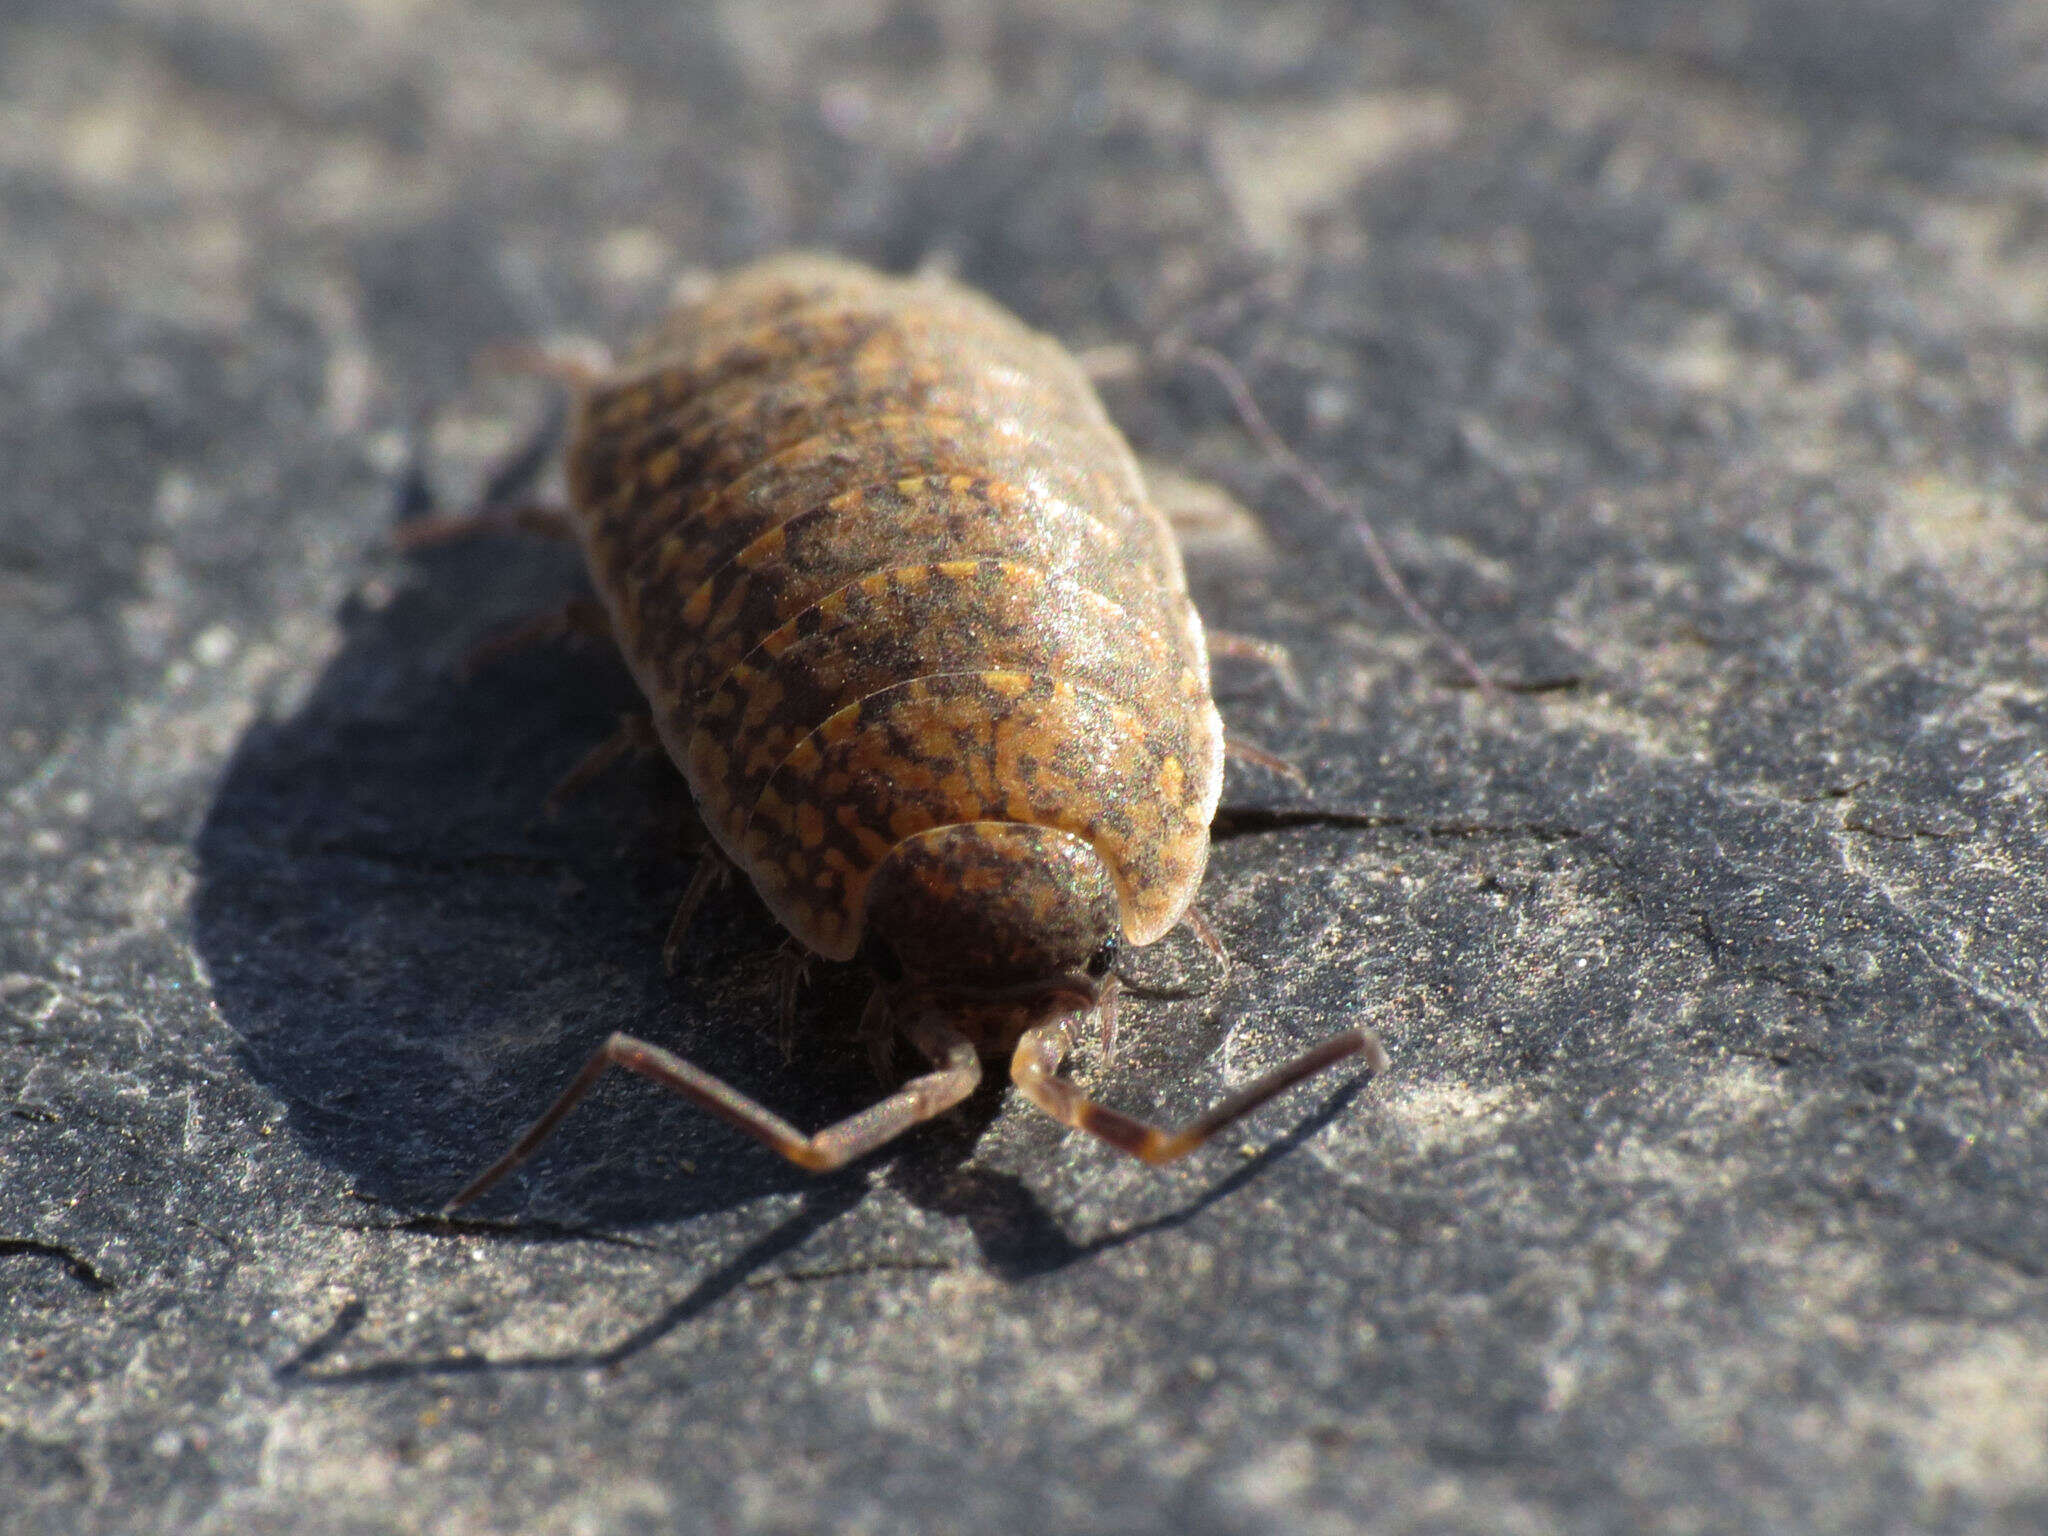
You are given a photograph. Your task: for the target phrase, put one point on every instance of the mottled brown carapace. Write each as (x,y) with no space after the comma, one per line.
(882,565)
(909,626)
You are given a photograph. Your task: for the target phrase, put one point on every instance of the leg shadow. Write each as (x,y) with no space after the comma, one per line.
(1019,1238)
(823,1203)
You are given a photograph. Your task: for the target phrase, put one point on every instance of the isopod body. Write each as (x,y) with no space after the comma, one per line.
(882,566)
(907,623)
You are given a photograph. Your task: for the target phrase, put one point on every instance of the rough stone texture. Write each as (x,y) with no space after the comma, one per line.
(1690,358)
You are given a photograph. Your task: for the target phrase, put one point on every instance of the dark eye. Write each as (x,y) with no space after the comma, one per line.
(878,957)
(1103,958)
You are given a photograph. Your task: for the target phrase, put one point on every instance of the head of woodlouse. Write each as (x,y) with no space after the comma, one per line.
(992,926)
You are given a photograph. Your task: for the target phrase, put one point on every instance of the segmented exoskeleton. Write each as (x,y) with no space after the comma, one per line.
(924,652)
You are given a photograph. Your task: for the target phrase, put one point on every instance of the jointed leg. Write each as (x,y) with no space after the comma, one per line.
(1118,362)
(582,616)
(713,869)
(792,973)
(958,1069)
(537,518)
(503,508)
(576,364)
(1270,654)
(1198,925)
(1035,1071)
(1245,752)
(1106,1009)
(634,737)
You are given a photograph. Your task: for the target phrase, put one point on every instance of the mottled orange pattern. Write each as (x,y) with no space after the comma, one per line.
(883,567)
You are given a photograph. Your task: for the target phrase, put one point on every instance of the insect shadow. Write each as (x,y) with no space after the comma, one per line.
(416,958)
(1018,1238)
(413,960)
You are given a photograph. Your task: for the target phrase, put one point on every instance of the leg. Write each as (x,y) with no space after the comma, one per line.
(958,1069)
(634,737)
(792,972)
(1270,654)
(580,364)
(1035,1071)
(878,1034)
(1113,362)
(713,869)
(547,522)
(1106,1009)
(1318,490)
(582,616)
(502,505)
(1245,752)
(1116,362)
(1198,925)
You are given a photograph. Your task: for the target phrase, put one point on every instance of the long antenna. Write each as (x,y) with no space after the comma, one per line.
(1318,490)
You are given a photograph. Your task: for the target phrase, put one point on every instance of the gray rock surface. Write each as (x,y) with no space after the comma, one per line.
(1690,360)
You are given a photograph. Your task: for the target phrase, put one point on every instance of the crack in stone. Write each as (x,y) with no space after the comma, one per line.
(1255,821)
(1914,835)
(80,1268)
(850,1267)
(527,1231)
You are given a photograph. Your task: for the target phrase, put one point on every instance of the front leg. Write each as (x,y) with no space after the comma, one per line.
(956,1071)
(1035,1071)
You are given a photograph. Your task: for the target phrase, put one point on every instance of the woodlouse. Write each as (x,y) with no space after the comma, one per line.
(908,624)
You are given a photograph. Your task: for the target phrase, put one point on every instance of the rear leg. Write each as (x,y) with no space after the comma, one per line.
(713,872)
(503,506)
(1270,654)
(1213,526)
(634,737)
(540,519)
(579,617)
(1244,751)
(792,975)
